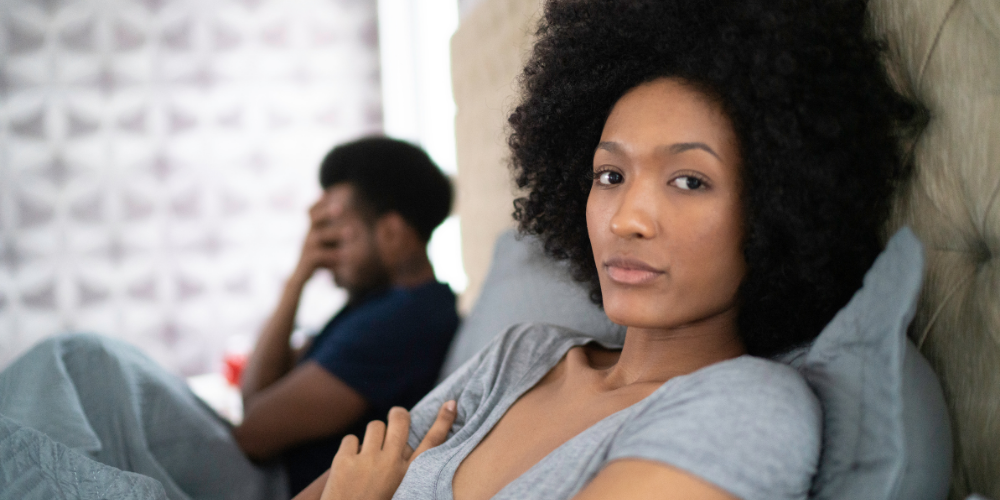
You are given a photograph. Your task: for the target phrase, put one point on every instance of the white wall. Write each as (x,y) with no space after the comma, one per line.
(417,101)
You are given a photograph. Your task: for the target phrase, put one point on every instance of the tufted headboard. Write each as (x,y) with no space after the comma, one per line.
(946,54)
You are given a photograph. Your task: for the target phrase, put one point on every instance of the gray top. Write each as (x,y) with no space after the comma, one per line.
(748,425)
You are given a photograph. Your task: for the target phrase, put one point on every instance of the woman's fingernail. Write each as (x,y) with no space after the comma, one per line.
(450,405)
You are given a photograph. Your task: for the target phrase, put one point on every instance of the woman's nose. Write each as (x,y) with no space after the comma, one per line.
(635,216)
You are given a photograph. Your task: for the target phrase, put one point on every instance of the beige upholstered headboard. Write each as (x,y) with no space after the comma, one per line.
(946,53)
(488,51)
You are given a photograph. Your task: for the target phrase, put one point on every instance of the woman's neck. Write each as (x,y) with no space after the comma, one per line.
(657,355)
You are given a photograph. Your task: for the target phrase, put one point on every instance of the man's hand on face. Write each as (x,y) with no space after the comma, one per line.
(329,232)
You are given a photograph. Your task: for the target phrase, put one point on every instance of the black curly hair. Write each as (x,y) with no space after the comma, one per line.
(804,88)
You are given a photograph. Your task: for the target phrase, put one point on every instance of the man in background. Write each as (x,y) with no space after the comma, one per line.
(382,200)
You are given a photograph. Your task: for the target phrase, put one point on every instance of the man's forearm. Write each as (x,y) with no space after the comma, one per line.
(273,357)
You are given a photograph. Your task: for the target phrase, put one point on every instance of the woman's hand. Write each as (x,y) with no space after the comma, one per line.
(374,471)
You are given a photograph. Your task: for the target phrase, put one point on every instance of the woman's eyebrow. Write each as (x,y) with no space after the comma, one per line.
(681,147)
(609,146)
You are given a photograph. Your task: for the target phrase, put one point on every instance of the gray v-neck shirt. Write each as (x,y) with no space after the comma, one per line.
(748,425)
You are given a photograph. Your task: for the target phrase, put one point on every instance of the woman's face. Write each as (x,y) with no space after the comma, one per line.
(664,213)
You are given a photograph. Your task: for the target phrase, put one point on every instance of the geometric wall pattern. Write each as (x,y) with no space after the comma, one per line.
(157,158)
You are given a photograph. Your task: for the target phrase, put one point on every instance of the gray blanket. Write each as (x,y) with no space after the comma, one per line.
(85,417)
(34,466)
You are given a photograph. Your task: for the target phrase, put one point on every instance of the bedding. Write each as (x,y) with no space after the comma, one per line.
(34,467)
(886,433)
(80,406)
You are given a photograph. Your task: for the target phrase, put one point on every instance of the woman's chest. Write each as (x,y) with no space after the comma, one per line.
(540,422)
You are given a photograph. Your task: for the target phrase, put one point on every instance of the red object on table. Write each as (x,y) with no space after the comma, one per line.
(232,367)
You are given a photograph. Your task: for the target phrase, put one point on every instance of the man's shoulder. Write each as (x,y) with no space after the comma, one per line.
(427,299)
(428,307)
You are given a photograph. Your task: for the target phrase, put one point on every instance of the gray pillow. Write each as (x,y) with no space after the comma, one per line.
(524,285)
(886,433)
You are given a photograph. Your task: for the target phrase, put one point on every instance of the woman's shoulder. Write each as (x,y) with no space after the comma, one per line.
(747,385)
(743,400)
(748,424)
(764,376)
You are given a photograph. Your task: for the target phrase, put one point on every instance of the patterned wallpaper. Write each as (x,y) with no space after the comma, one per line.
(157,158)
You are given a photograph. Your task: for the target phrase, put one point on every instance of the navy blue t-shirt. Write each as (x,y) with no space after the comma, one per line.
(389,348)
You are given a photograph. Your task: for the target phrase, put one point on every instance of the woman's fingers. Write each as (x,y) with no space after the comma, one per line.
(348,445)
(374,435)
(439,429)
(378,468)
(397,432)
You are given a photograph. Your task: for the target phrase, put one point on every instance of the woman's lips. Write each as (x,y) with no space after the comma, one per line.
(630,271)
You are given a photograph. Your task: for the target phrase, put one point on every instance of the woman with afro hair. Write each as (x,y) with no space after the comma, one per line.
(718,172)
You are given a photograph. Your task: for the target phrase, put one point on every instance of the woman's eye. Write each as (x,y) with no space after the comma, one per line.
(609,177)
(688,183)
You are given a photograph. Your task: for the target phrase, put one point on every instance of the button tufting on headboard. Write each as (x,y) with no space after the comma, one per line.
(946,54)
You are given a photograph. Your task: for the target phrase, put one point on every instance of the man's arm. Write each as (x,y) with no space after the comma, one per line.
(283,404)
(273,357)
(307,403)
